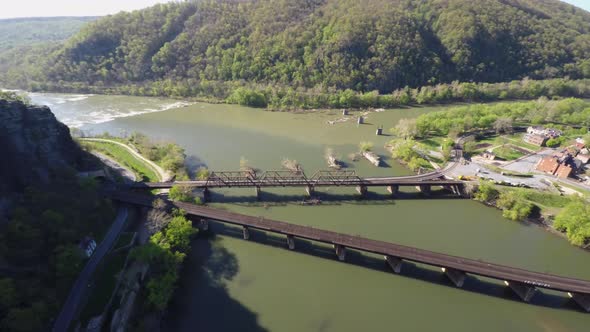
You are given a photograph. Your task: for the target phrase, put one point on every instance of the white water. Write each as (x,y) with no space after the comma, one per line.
(77,110)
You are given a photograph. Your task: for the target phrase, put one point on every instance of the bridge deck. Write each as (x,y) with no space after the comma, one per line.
(372,182)
(476,267)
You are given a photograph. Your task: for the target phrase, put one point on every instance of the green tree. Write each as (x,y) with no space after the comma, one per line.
(68,261)
(574,219)
(486,192)
(181,194)
(514,206)
(179,232)
(161,289)
(406,128)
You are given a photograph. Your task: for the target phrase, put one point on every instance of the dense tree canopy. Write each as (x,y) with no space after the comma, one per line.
(209,48)
(26,31)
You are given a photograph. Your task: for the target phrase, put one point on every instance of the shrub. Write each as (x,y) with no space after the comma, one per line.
(486,192)
(181,194)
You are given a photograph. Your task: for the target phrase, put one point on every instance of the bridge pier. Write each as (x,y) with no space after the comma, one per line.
(424,188)
(291,242)
(206,195)
(455,189)
(246,232)
(203,224)
(362,190)
(394,262)
(393,189)
(340,251)
(524,291)
(257,192)
(456,276)
(583,300)
(309,190)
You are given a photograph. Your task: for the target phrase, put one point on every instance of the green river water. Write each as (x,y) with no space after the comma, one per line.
(230,284)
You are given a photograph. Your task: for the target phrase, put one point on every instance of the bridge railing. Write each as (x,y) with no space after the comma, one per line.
(231,179)
(282,178)
(336,177)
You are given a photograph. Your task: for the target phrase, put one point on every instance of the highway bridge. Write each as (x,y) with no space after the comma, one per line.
(524,283)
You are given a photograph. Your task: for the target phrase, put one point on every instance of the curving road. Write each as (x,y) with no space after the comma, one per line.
(162,174)
(79,290)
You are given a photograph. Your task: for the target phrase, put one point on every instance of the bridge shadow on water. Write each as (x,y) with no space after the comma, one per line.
(202,301)
(481,285)
(327,198)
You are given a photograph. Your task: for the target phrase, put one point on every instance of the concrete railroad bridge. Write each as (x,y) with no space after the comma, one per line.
(523,283)
(250,179)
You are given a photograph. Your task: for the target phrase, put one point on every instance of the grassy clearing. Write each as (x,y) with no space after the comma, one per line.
(545,198)
(517,139)
(513,139)
(104,285)
(432,143)
(122,155)
(507,152)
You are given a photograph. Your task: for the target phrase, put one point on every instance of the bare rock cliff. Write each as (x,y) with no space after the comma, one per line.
(35,146)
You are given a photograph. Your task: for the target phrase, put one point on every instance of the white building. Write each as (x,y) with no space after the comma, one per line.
(88,245)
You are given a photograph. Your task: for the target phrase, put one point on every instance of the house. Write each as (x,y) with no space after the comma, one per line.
(548,165)
(584,156)
(553,133)
(564,171)
(545,132)
(88,245)
(535,139)
(535,130)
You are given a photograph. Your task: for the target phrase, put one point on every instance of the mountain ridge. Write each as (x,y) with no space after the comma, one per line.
(212,47)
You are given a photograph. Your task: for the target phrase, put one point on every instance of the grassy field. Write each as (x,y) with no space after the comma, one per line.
(122,155)
(507,152)
(513,139)
(548,203)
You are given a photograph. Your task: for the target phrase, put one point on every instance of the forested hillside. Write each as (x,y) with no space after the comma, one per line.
(27,31)
(210,48)
(45,210)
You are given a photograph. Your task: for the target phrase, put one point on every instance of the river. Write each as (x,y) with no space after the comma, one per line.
(230,284)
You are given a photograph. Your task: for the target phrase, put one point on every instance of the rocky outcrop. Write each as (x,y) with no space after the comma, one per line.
(35,146)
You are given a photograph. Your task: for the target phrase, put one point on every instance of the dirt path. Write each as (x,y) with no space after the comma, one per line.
(162,174)
(126,173)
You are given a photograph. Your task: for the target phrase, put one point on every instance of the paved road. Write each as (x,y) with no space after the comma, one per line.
(162,174)
(80,288)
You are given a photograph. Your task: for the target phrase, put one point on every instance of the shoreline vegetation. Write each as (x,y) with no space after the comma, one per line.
(168,158)
(123,157)
(169,243)
(566,215)
(287,99)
